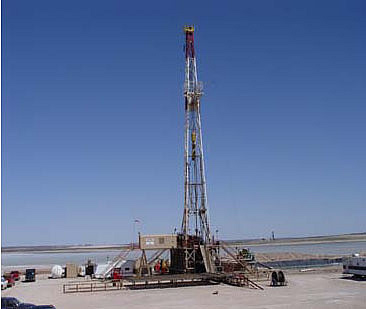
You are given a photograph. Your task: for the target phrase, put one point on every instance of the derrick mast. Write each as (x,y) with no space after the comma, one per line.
(195,218)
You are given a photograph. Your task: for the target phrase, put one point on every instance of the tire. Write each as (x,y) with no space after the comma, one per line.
(274,279)
(281,278)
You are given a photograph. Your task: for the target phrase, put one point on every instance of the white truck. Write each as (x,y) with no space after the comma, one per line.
(4,283)
(355,265)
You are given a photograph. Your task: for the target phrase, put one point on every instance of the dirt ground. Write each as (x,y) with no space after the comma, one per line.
(304,290)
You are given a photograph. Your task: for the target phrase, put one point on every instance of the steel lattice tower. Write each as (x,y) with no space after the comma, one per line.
(195,218)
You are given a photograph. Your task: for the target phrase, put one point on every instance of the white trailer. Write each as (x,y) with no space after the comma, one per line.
(355,265)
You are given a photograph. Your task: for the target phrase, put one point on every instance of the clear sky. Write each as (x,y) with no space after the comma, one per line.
(93,116)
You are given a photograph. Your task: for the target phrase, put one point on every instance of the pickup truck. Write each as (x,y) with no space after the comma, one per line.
(15,274)
(10,279)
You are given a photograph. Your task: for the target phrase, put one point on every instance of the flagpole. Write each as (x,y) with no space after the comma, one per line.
(133,232)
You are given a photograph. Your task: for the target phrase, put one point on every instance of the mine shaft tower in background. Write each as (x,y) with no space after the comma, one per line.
(195,233)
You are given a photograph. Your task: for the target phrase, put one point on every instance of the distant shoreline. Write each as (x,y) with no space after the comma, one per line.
(301,240)
(251,242)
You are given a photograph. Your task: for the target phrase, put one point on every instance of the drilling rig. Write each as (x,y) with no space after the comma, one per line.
(194,250)
(195,218)
(193,253)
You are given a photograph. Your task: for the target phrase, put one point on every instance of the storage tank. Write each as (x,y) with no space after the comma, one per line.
(56,271)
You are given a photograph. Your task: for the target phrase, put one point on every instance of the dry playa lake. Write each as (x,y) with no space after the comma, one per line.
(320,289)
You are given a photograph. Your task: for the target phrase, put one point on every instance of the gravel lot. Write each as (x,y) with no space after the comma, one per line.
(305,290)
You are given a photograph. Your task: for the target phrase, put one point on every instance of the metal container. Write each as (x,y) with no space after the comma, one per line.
(154,242)
(30,275)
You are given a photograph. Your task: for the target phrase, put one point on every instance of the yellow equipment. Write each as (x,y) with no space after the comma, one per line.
(188,28)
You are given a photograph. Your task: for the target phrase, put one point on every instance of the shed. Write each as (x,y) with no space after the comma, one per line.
(71,270)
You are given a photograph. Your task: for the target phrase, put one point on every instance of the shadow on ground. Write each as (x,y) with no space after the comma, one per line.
(354,278)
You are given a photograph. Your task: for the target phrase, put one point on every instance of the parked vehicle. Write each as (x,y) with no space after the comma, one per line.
(12,302)
(355,265)
(26,306)
(30,275)
(9,302)
(10,279)
(4,283)
(16,275)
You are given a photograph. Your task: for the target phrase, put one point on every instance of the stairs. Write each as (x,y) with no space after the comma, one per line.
(207,260)
(112,264)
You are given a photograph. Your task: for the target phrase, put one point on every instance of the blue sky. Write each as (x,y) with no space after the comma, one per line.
(92,117)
